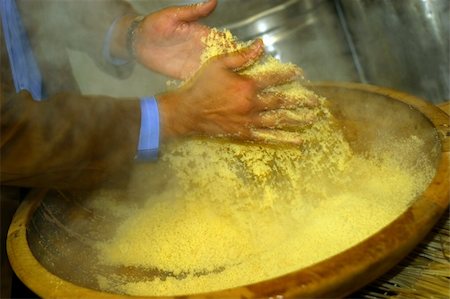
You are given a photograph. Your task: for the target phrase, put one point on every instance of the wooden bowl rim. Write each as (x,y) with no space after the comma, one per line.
(338,275)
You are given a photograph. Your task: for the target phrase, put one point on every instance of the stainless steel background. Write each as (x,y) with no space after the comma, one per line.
(305,32)
(402,44)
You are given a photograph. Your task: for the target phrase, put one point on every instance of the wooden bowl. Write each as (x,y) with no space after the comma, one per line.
(337,276)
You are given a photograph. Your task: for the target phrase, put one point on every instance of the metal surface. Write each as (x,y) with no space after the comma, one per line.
(227,11)
(304,32)
(402,44)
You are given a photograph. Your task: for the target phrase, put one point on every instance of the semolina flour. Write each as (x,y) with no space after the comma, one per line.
(219,214)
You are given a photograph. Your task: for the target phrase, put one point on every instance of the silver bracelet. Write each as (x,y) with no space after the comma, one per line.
(131,35)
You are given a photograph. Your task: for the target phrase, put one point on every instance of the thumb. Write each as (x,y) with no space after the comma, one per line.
(244,57)
(191,13)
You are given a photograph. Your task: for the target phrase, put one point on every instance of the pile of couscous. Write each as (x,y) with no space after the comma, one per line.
(225,214)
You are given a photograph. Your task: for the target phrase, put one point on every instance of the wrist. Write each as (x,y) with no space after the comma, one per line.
(123,36)
(173,122)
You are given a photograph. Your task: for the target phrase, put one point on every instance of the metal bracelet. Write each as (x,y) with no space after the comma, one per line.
(131,35)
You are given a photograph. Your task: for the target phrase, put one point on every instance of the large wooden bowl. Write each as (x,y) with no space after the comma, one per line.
(36,260)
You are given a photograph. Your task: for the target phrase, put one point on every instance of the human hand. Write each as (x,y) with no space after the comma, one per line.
(217,101)
(170,41)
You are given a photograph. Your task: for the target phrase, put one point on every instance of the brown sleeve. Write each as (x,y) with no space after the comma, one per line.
(67,141)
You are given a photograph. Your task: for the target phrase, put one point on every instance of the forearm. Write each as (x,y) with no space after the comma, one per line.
(81,25)
(68,141)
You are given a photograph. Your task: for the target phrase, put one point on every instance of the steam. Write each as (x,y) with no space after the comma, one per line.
(321,50)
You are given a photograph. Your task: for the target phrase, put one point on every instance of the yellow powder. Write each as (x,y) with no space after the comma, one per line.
(243,213)
(222,42)
(227,214)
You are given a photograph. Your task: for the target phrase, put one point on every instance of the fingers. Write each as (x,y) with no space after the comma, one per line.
(192,13)
(285,119)
(277,76)
(269,100)
(276,137)
(242,58)
(268,136)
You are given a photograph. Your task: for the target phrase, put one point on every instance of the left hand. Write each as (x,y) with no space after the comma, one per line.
(170,41)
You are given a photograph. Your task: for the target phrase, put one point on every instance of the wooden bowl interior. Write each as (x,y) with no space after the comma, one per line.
(61,231)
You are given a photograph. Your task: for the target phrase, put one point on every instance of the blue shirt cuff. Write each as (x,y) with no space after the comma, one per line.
(24,68)
(107,43)
(148,145)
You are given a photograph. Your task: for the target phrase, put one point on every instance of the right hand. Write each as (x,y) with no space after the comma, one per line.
(218,101)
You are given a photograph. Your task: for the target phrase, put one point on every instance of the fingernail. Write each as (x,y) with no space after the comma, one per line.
(256,46)
(257,43)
